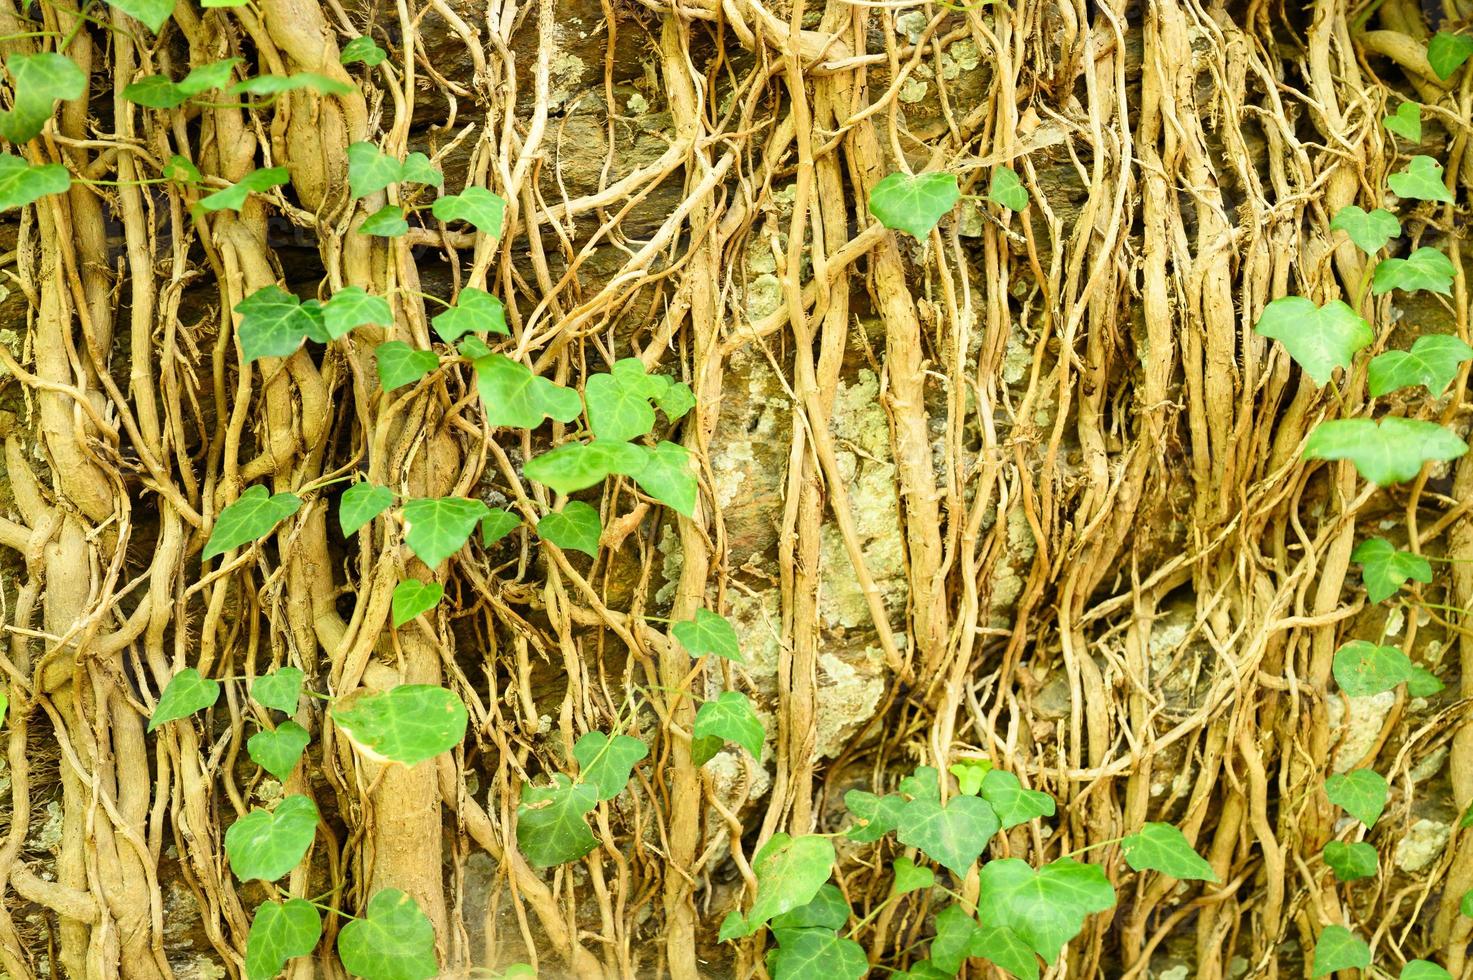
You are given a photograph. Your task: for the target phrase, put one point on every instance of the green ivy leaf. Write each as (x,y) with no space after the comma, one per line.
(790,871)
(1011,802)
(364,49)
(607,764)
(1362,668)
(152,13)
(1433,361)
(371,170)
(551,829)
(279,689)
(1046,908)
(954,932)
(438,527)
(361,503)
(40,80)
(1420,181)
(186,693)
(1007,190)
(1384,569)
(399,364)
(914,204)
(617,412)
(676,400)
(483,209)
(279,932)
(161,92)
(253,515)
(514,397)
(1406,122)
(1005,949)
(353,306)
(1388,453)
(804,954)
(729,718)
(1423,683)
(475,311)
(1318,338)
(497,524)
(390,940)
(1424,970)
(1446,53)
(666,475)
(233,198)
(1339,949)
(1361,793)
(278,750)
(1162,847)
(387,222)
(22,184)
(1350,861)
(407,724)
(969,775)
(180,170)
(279,84)
(574,528)
(709,633)
(923,784)
(267,844)
(1425,269)
(412,597)
(953,835)
(827,910)
(575,466)
(877,815)
(910,877)
(1370,232)
(273,323)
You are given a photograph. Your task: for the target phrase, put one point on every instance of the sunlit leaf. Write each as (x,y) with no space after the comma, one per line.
(1006,950)
(1011,802)
(1433,362)
(187,692)
(828,909)
(574,528)
(390,940)
(914,204)
(1384,569)
(1361,793)
(969,774)
(387,222)
(607,763)
(279,689)
(475,311)
(412,597)
(278,84)
(1386,453)
(575,466)
(1162,847)
(364,49)
(1339,949)
(181,170)
(152,13)
(1350,861)
(371,170)
(497,524)
(1046,908)
(665,474)
(408,724)
(353,306)
(1370,231)
(399,364)
(514,397)
(482,208)
(709,633)
(1420,181)
(361,503)
(1362,668)
(1446,53)
(1424,970)
(233,198)
(953,835)
(279,932)
(253,515)
(804,954)
(875,816)
(437,527)
(39,81)
(1318,338)
(278,750)
(267,844)
(22,183)
(909,877)
(790,871)
(954,932)
(551,828)
(729,718)
(1007,190)
(160,92)
(1425,269)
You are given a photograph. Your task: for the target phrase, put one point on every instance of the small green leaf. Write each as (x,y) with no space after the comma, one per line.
(1361,793)
(483,209)
(475,311)
(574,528)
(253,515)
(353,306)
(40,80)
(1162,847)
(1406,122)
(370,170)
(1423,683)
(514,397)
(1005,949)
(412,597)
(497,524)
(408,724)
(1425,269)
(827,910)
(733,926)
(1433,362)
(233,198)
(676,400)
(180,170)
(1007,190)
(152,13)
(387,222)
(551,829)
(279,932)
(730,718)
(1446,53)
(607,764)
(437,527)
(969,774)
(1046,908)
(1370,232)
(1384,570)
(1424,970)
(399,364)
(22,184)
(273,323)
(1339,949)
(278,84)
(804,954)
(923,784)
(1420,181)
(278,750)
(279,689)
(790,871)
(953,835)
(709,633)
(666,475)
(266,844)
(361,503)
(1362,668)
(1318,338)
(909,877)
(186,693)
(160,92)
(954,932)
(1388,453)
(1350,861)
(364,49)
(914,204)
(1011,802)
(390,940)
(617,412)
(575,466)
(877,815)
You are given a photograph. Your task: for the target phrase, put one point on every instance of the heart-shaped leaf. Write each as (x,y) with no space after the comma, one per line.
(969,775)
(483,209)
(408,724)
(1433,361)
(475,311)
(22,184)
(437,527)
(828,909)
(273,323)
(574,528)
(667,476)
(266,844)
(280,931)
(187,692)
(399,364)
(1007,190)
(1406,122)
(1318,338)
(923,784)
(353,306)
(279,689)
(40,80)
(709,633)
(1005,949)
(1350,861)
(914,204)
(1386,453)
(361,503)
(730,718)
(497,524)
(1011,802)
(875,816)
(253,515)
(1362,668)
(954,931)
(364,49)
(233,198)
(514,397)
(575,466)
(387,222)
(279,84)
(803,954)
(412,597)
(953,835)
(1046,908)
(1361,793)
(152,13)
(1339,949)
(551,828)
(390,940)
(1370,231)
(607,763)
(1420,181)
(371,170)
(1425,269)
(617,410)
(1384,569)
(1162,847)
(1446,53)
(278,750)
(1424,970)
(910,877)
(790,871)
